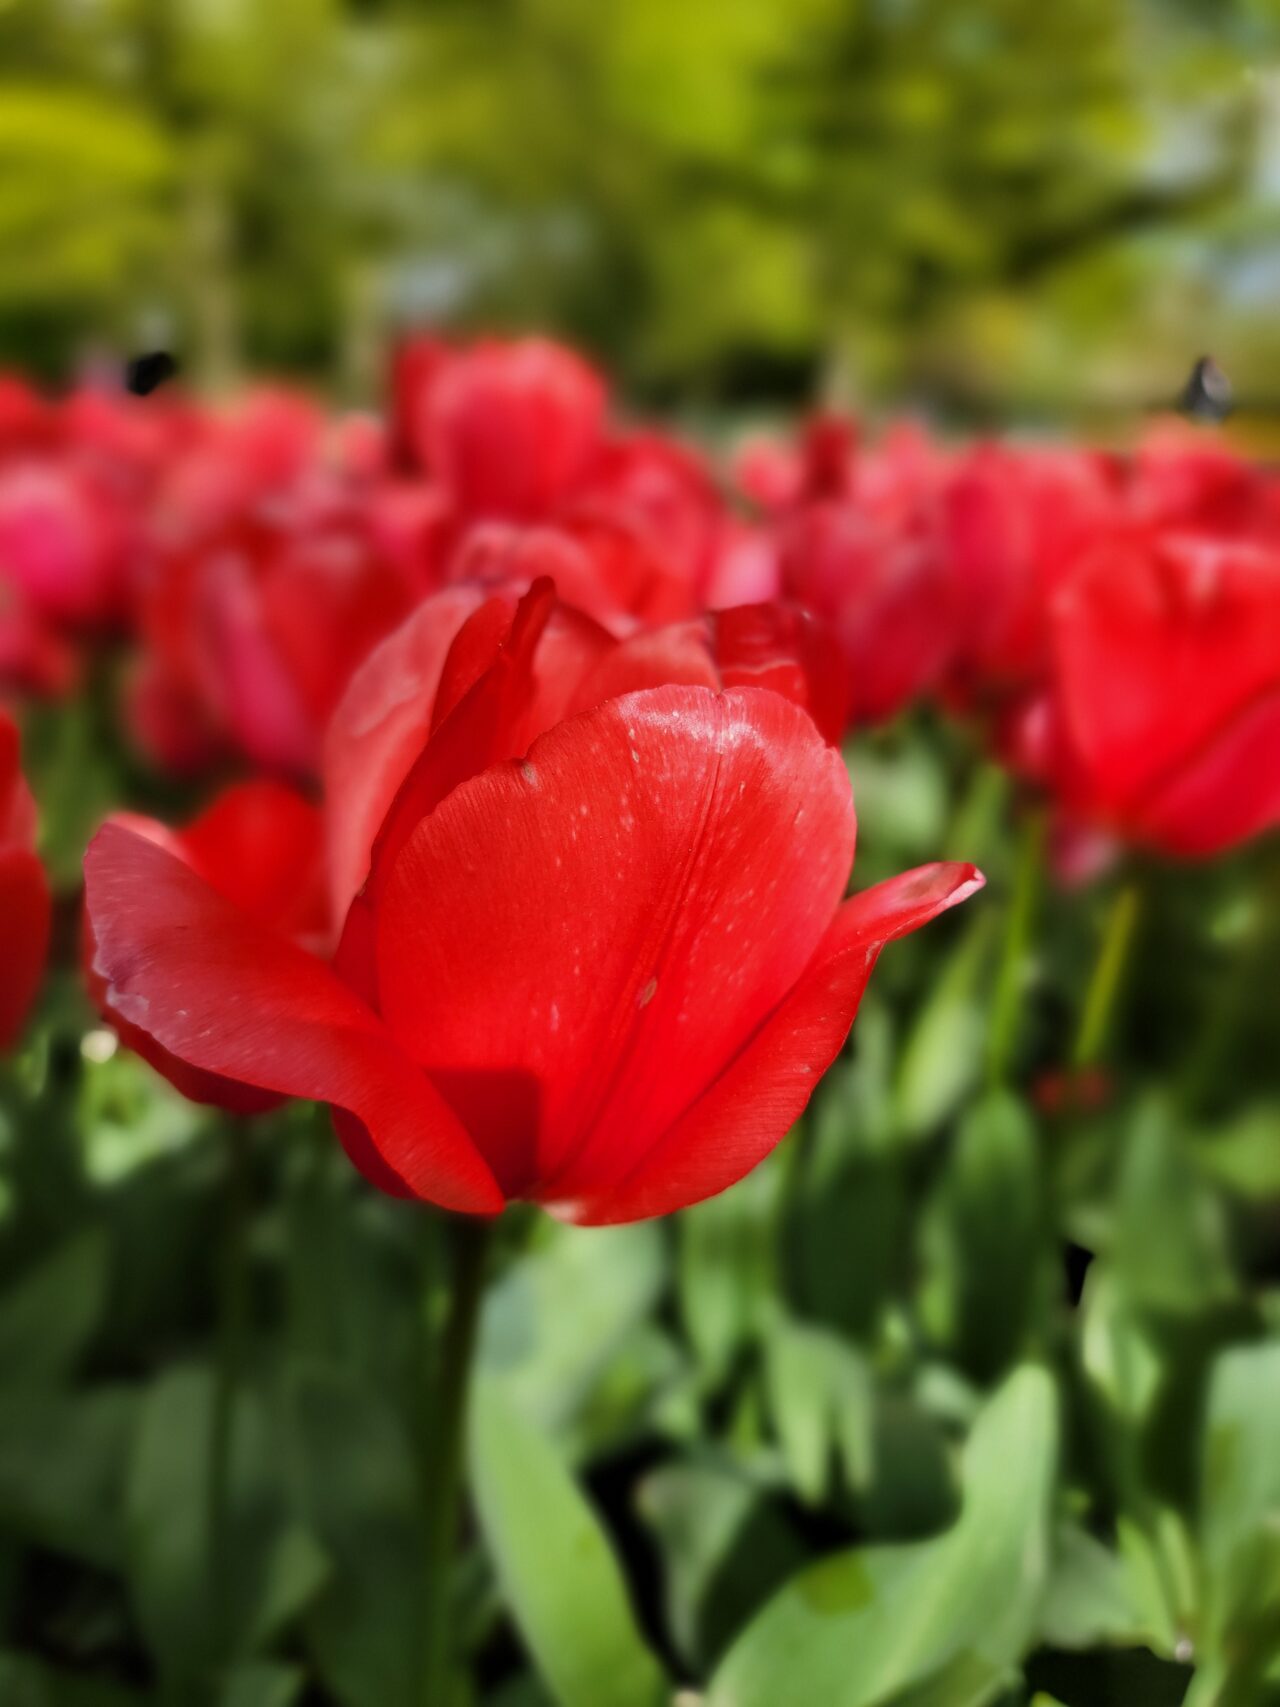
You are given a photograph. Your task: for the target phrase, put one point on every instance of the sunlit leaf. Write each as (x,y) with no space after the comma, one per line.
(554,1563)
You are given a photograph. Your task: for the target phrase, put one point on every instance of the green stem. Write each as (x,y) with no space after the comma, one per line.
(233,1320)
(467,1256)
(1019,929)
(1107,977)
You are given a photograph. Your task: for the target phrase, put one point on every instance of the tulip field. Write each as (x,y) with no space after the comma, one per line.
(500,1206)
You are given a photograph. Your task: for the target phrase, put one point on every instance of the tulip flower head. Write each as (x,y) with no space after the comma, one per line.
(596,951)
(1161,719)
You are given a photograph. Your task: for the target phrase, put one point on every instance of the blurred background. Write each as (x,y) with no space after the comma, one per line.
(1003,214)
(1002,208)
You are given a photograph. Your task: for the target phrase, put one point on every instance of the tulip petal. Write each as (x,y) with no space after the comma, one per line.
(576,944)
(260,845)
(757,1098)
(247,678)
(784,648)
(380,727)
(227,996)
(677,655)
(773,646)
(535,665)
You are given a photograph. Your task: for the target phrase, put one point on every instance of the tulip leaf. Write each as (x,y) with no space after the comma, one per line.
(1118,1355)
(726,1267)
(942,1054)
(554,1563)
(169,1553)
(26,1682)
(1089,1601)
(726,1545)
(912,1489)
(1160,1571)
(901,789)
(1169,1239)
(1240,1503)
(984,1238)
(1245,1155)
(359,1498)
(261,1684)
(47,1317)
(845,1228)
(820,1395)
(866,1625)
(74,774)
(555,1319)
(969,1680)
(295,1570)
(63,1462)
(168,1544)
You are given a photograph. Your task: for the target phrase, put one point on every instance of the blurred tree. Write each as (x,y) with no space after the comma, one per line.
(979,199)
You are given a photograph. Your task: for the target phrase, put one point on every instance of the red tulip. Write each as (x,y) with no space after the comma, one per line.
(600,967)
(415,365)
(126,443)
(854,534)
(824,463)
(238,460)
(883,590)
(600,566)
(24,892)
(1192,480)
(76,482)
(665,493)
(34,657)
(63,544)
(509,430)
(252,629)
(1017,521)
(1161,722)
